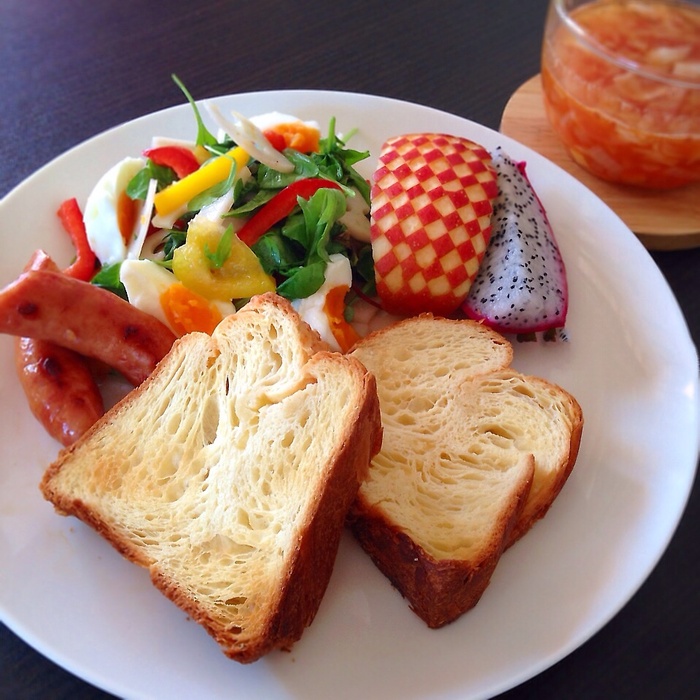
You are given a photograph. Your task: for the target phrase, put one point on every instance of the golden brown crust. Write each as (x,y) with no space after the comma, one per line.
(438,591)
(284,610)
(377,336)
(530,516)
(308,578)
(454,486)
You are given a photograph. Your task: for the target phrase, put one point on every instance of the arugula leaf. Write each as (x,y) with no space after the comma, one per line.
(321,211)
(304,281)
(312,226)
(174,239)
(138,185)
(257,200)
(336,246)
(222,252)
(107,277)
(220,148)
(304,166)
(204,136)
(278,254)
(363,268)
(298,252)
(335,157)
(294,228)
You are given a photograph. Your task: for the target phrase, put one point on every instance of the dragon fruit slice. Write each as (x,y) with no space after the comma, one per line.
(521,285)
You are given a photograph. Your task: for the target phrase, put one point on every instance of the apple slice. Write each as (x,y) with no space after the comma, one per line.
(432,200)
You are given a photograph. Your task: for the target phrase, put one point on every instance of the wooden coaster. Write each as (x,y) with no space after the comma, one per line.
(662,220)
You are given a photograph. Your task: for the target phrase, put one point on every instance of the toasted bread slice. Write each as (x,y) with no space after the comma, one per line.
(229,473)
(473,453)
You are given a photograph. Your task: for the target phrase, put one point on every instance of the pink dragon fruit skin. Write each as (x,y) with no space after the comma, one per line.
(521,285)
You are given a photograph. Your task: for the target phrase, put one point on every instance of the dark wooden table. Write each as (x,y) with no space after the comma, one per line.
(73,68)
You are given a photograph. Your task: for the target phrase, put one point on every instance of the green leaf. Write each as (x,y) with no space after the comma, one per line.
(270,179)
(299,250)
(305,164)
(337,158)
(321,211)
(351,156)
(204,136)
(277,254)
(329,143)
(257,200)
(294,228)
(220,148)
(336,246)
(138,185)
(363,268)
(174,239)
(222,252)
(107,277)
(303,281)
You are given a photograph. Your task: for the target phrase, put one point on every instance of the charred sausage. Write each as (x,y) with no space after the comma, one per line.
(48,305)
(58,383)
(60,388)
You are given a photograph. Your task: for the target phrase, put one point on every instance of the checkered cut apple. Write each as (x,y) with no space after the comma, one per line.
(432,200)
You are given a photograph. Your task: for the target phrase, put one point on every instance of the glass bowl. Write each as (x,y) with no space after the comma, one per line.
(621,85)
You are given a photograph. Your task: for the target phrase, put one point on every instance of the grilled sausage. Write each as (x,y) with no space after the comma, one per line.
(59,387)
(48,305)
(58,383)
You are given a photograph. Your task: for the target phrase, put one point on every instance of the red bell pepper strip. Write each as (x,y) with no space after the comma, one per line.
(178,158)
(83,268)
(281,206)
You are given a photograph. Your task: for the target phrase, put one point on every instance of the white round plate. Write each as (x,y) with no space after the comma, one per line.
(629,361)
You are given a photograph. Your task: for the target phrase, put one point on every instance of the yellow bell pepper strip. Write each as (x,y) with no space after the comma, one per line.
(240,276)
(281,206)
(71,217)
(182,191)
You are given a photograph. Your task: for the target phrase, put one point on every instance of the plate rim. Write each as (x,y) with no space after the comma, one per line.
(55,654)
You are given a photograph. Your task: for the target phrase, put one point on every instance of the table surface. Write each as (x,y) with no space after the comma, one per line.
(73,68)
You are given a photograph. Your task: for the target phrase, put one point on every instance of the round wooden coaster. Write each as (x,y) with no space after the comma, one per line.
(662,220)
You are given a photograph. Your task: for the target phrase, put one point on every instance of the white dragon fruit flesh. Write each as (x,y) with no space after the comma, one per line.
(521,284)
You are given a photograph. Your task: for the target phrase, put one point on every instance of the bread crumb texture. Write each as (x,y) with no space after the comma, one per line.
(212,471)
(473,453)
(459,425)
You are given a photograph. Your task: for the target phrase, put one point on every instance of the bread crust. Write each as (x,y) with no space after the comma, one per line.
(463,433)
(536,508)
(279,618)
(437,590)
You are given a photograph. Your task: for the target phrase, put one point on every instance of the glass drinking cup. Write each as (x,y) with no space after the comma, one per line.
(621,85)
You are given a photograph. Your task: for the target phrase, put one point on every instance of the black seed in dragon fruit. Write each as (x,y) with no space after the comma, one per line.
(521,284)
